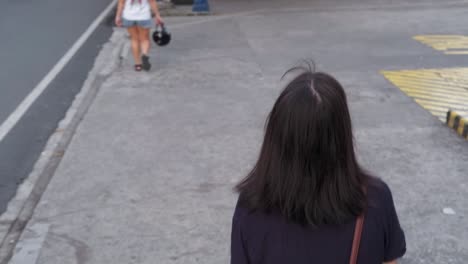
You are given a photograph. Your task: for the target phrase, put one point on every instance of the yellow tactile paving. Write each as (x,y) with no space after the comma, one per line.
(449,44)
(436,90)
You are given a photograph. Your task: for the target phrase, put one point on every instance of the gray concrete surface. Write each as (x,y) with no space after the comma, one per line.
(148,177)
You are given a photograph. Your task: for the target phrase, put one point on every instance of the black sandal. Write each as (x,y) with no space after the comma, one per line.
(138,67)
(146,64)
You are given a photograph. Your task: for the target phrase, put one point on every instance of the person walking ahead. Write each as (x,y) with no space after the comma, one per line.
(300,202)
(136,16)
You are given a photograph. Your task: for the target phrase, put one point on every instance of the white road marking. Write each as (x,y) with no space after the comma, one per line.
(16,115)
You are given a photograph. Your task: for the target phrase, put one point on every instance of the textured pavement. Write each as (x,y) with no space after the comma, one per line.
(148,177)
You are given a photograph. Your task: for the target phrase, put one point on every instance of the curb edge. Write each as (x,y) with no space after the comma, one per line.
(458,123)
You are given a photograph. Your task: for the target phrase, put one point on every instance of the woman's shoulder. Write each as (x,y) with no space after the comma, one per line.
(247,216)
(244,217)
(379,194)
(243,209)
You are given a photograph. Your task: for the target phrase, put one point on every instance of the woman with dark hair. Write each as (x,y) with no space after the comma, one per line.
(307,200)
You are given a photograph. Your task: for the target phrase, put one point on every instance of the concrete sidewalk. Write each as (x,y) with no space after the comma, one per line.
(149,174)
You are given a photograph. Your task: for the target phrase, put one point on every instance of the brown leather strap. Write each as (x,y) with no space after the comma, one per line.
(356,240)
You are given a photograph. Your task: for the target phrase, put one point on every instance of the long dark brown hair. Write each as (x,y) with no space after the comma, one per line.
(307,169)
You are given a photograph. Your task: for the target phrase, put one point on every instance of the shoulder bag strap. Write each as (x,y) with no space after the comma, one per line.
(357,234)
(356,240)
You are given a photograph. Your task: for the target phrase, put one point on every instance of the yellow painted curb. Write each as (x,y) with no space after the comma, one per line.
(458,122)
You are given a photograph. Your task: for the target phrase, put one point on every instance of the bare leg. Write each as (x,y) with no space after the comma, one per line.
(134,37)
(143,35)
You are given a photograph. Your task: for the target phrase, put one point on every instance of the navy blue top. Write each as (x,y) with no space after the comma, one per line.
(259,238)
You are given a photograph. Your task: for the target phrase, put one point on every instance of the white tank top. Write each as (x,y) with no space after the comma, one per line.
(136,10)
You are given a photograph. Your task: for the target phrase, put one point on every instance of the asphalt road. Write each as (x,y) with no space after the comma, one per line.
(34,36)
